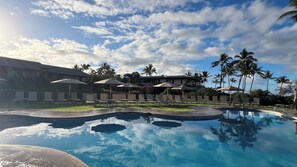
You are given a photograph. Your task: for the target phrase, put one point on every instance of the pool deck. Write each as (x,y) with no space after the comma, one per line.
(21,155)
(198,113)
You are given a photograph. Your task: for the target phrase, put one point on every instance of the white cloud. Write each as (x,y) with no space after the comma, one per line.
(39,12)
(59,52)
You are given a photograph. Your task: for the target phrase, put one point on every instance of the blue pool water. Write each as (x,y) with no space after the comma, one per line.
(239,139)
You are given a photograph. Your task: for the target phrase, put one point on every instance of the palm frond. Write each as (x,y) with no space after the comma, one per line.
(288,14)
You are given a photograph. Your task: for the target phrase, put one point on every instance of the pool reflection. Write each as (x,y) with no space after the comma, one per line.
(108,128)
(242,127)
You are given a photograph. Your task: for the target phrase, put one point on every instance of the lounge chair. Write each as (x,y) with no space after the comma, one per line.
(61,97)
(206,99)
(103,97)
(73,97)
(32,97)
(150,98)
(48,97)
(89,98)
(193,99)
(161,98)
(132,98)
(177,99)
(19,97)
(141,98)
(246,101)
(118,97)
(215,99)
(256,101)
(236,100)
(200,99)
(223,100)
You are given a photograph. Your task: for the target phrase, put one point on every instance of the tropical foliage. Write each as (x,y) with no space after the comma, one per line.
(149,70)
(292,14)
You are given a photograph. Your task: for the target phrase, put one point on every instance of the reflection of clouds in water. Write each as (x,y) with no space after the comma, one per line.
(147,142)
(40,130)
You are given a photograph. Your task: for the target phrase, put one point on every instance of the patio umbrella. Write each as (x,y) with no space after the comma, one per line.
(182,88)
(229,88)
(110,82)
(165,85)
(2,80)
(70,82)
(128,85)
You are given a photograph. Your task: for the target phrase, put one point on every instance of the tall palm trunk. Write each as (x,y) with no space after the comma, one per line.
(281,88)
(252,84)
(239,83)
(229,80)
(267,85)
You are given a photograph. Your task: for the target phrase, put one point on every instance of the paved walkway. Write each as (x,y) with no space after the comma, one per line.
(20,155)
(198,113)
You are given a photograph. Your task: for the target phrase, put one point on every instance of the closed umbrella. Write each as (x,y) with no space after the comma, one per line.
(128,85)
(182,88)
(165,85)
(110,82)
(70,82)
(230,88)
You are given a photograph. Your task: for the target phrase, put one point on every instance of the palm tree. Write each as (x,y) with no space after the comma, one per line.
(282,80)
(149,70)
(255,70)
(232,80)
(228,70)
(204,75)
(189,73)
(268,75)
(291,13)
(217,79)
(224,59)
(244,63)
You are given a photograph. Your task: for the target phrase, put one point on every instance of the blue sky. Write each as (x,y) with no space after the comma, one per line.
(175,35)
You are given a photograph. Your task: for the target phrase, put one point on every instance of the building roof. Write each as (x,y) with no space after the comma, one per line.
(31,65)
(16,63)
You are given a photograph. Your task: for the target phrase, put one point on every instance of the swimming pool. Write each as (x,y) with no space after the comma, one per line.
(241,138)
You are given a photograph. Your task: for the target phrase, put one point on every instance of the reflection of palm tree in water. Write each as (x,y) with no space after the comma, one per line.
(243,129)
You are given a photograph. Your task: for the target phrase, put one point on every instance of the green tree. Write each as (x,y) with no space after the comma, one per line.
(189,73)
(268,75)
(282,80)
(243,64)
(292,14)
(228,70)
(132,78)
(149,70)
(255,70)
(204,76)
(224,59)
(105,71)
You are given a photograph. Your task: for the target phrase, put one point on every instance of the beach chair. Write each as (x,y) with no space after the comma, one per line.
(103,97)
(215,100)
(224,100)
(256,101)
(19,97)
(200,99)
(132,98)
(73,97)
(89,98)
(32,97)
(193,99)
(206,99)
(170,99)
(177,99)
(119,97)
(246,101)
(61,97)
(141,98)
(150,98)
(48,97)
(236,100)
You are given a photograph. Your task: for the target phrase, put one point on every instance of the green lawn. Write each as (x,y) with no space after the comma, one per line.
(90,107)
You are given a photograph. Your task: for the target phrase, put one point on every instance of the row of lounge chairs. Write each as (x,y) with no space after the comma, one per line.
(127,98)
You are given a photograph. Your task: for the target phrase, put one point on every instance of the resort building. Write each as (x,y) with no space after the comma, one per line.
(15,68)
(177,80)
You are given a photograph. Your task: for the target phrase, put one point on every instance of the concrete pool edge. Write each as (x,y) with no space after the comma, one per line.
(25,155)
(198,113)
